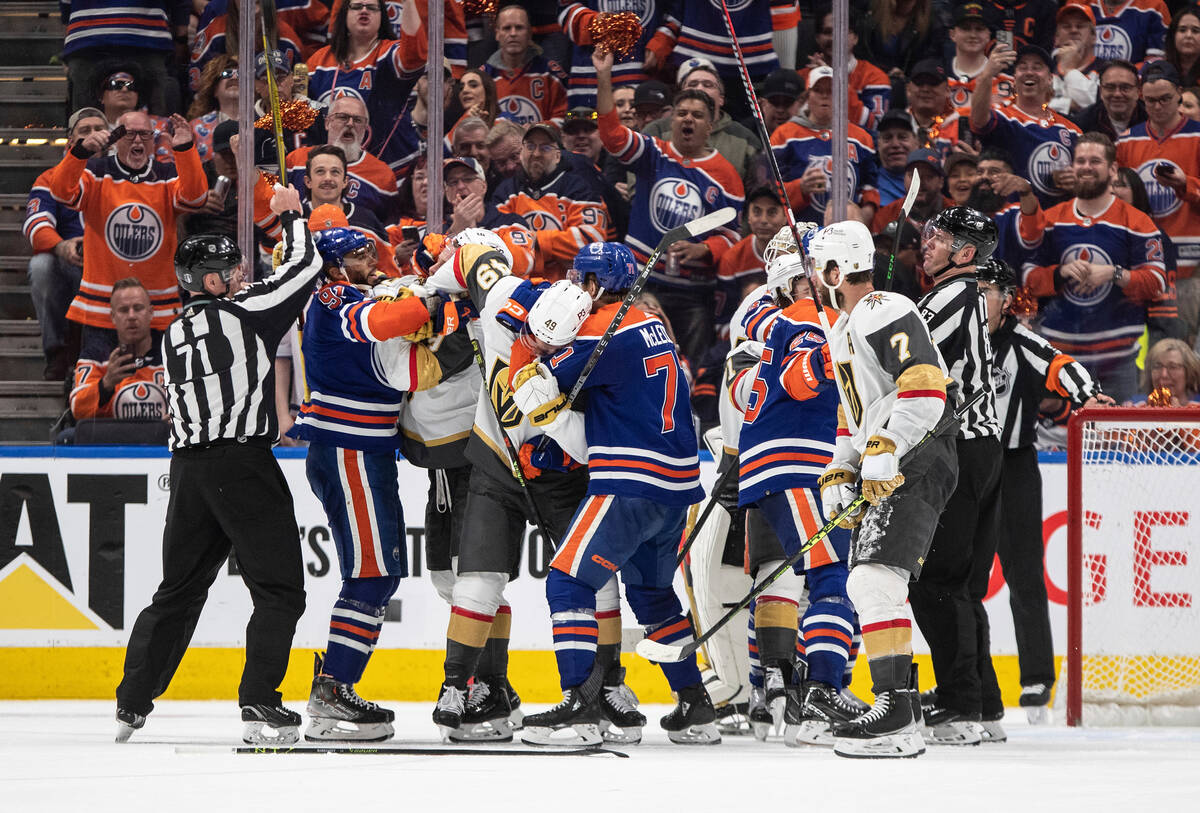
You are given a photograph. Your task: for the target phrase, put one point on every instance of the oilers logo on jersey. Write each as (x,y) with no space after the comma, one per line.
(540,219)
(642,8)
(133,232)
(733,5)
(1163,200)
(1112,42)
(819,200)
(1047,158)
(674,202)
(1089,254)
(520,109)
(141,400)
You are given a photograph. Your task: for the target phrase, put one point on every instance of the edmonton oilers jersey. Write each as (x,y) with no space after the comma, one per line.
(1038,145)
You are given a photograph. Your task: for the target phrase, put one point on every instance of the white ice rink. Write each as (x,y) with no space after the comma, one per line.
(59,756)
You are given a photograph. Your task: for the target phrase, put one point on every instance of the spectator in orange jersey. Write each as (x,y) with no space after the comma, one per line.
(870,89)
(529,87)
(216,101)
(129,205)
(466,189)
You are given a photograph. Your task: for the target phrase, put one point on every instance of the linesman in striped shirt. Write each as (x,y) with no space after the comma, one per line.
(227,492)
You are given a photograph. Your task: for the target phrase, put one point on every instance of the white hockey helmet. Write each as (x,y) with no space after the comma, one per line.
(784,242)
(483,237)
(558,313)
(781,272)
(849,244)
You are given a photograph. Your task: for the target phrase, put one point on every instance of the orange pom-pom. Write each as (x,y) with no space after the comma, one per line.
(294,113)
(479,8)
(617,32)
(1023,304)
(1160,397)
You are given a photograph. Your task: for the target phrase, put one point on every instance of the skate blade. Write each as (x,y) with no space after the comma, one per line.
(992,732)
(516,719)
(578,735)
(761,731)
(1039,715)
(705,734)
(809,732)
(322,729)
(736,726)
(777,707)
(486,731)
(907,745)
(620,736)
(953,734)
(259,733)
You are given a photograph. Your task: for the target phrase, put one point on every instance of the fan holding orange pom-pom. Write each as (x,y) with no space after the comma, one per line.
(617,32)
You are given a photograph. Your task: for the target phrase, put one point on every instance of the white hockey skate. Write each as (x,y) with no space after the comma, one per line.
(1035,699)
(776,696)
(127,723)
(759,714)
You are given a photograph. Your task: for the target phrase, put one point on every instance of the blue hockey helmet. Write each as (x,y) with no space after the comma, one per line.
(334,244)
(612,263)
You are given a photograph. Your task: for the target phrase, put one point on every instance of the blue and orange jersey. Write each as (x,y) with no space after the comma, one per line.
(372,183)
(942,133)
(1103,324)
(329,79)
(356,386)
(210,40)
(140,395)
(671,191)
(454,34)
(309,19)
(576,17)
(1018,233)
(870,92)
(1038,145)
(641,440)
(797,148)
(1178,215)
(742,263)
(47,220)
(537,91)
(790,416)
(962,87)
(698,30)
(119,24)
(1136,32)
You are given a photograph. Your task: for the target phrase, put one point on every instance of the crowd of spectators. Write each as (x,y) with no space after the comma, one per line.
(1075,125)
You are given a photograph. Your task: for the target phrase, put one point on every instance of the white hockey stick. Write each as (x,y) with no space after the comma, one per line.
(905,208)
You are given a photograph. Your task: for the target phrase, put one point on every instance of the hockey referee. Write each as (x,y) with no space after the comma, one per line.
(947,601)
(227,491)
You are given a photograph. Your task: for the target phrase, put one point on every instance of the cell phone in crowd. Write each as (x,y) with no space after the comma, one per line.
(138,361)
(221,188)
(1163,168)
(117,134)
(411,233)
(1005,38)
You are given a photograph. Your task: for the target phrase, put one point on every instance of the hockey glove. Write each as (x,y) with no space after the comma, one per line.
(535,392)
(880,469)
(837,492)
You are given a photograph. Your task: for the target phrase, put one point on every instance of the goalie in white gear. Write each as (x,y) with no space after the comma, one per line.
(893,391)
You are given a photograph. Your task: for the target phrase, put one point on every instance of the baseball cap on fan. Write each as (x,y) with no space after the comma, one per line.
(819,73)
(782,83)
(969,13)
(927,157)
(466,161)
(1077,8)
(694,64)
(83,113)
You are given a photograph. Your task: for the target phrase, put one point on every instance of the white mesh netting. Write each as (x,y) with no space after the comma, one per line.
(1140,569)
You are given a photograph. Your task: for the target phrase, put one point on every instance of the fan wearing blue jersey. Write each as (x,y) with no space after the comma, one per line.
(790,404)
(643,472)
(357,371)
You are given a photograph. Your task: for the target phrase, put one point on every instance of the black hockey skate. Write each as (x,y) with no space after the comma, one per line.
(758,713)
(1035,699)
(693,722)
(886,731)
(575,722)
(448,713)
(267,724)
(486,717)
(336,712)
(127,723)
(516,717)
(620,720)
(733,719)
(943,726)
(822,707)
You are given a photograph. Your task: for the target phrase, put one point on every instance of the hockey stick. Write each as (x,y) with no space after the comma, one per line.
(276,115)
(708,509)
(693,228)
(776,175)
(399,750)
(514,459)
(669,653)
(905,208)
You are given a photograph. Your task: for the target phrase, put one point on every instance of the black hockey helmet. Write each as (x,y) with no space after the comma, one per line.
(203,254)
(998,273)
(968,227)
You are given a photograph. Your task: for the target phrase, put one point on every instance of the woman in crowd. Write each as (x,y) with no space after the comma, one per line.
(1172,366)
(1183,45)
(411,203)
(216,101)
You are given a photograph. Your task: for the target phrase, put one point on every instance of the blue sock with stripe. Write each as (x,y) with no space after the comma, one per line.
(354,626)
(576,632)
(756,670)
(659,611)
(828,635)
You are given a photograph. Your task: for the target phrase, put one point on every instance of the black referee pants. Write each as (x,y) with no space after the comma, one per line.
(1022,556)
(947,600)
(222,497)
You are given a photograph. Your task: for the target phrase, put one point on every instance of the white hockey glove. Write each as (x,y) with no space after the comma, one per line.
(838,490)
(880,469)
(535,392)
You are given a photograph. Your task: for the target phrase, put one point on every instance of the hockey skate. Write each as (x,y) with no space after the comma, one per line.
(1035,699)
(776,687)
(448,713)
(693,722)
(886,731)
(575,722)
(813,721)
(944,726)
(267,724)
(516,717)
(127,723)
(336,712)
(990,729)
(733,719)
(486,717)
(620,720)
(758,713)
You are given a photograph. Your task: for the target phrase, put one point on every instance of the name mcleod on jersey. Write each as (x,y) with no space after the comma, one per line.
(133,232)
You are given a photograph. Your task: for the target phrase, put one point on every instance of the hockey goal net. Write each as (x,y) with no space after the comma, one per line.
(1133,553)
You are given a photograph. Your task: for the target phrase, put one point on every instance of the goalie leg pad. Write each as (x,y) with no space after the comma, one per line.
(717,586)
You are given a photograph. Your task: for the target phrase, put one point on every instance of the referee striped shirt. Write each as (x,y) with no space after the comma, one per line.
(957,317)
(219,353)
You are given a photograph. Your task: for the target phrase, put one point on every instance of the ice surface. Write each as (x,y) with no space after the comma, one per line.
(60,756)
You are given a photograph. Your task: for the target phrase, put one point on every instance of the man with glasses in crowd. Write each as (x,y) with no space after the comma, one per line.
(1119,106)
(466,191)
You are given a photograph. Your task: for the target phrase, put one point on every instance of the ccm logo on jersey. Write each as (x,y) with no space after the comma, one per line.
(604,563)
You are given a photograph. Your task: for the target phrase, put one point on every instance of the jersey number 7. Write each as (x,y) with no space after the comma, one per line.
(660,363)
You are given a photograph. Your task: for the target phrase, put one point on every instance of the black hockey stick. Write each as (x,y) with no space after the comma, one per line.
(693,228)
(514,459)
(670,653)
(708,509)
(401,750)
(776,175)
(905,208)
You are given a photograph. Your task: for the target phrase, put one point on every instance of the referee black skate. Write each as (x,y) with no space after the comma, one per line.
(947,600)
(227,492)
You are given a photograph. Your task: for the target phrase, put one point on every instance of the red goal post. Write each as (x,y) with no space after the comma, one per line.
(1133,566)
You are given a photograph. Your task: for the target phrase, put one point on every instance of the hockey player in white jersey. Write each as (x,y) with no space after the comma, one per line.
(892,384)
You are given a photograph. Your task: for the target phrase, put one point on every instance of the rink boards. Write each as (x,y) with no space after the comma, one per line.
(80,537)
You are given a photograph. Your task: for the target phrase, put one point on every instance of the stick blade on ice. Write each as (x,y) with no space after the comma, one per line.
(660,653)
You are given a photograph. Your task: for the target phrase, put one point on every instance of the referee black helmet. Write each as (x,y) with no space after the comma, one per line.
(203,254)
(968,227)
(998,273)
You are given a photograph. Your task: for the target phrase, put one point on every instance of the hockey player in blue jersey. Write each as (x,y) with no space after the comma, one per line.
(790,403)
(357,371)
(643,474)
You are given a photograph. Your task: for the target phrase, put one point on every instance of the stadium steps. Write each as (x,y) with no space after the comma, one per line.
(28,409)
(32,96)
(30,33)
